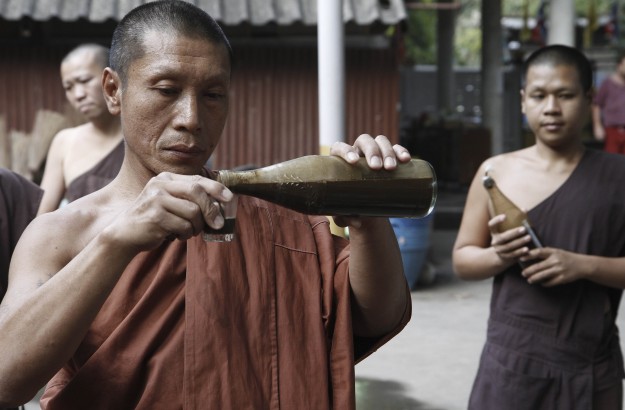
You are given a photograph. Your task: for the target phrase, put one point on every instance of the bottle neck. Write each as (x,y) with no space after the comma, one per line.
(232,179)
(224,177)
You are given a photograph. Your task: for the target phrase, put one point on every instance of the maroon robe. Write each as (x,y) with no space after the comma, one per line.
(553,348)
(19,201)
(97,177)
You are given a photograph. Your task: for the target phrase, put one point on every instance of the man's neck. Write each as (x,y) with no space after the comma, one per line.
(108,126)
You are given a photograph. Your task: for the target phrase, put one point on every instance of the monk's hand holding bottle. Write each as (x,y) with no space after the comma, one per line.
(511,244)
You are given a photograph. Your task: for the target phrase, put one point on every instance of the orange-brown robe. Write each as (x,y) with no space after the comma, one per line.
(260,323)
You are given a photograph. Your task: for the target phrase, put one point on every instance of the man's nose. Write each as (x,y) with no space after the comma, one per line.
(187,113)
(552,104)
(79,92)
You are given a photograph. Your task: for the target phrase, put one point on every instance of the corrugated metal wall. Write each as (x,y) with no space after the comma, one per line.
(273,112)
(29,82)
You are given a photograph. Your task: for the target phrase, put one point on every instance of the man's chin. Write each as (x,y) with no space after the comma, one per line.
(187,169)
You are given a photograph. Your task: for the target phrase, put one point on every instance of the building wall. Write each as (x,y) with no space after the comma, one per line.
(29,82)
(273,112)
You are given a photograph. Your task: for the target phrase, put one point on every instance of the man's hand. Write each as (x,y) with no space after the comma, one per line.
(511,244)
(553,267)
(378,151)
(171,206)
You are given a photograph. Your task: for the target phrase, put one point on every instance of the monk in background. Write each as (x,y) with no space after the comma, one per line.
(552,339)
(85,158)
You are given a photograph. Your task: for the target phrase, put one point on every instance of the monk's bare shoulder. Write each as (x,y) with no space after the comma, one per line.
(66,230)
(509,162)
(75,132)
(62,234)
(53,239)
(68,136)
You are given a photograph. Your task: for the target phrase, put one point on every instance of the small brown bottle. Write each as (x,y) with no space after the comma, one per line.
(328,185)
(515,216)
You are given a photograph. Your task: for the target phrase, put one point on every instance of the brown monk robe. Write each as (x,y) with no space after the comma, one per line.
(242,344)
(19,201)
(98,176)
(558,347)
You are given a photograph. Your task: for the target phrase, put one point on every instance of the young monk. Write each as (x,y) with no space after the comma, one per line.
(552,342)
(85,158)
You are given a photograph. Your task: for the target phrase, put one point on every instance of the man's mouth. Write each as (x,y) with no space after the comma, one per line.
(186,149)
(552,126)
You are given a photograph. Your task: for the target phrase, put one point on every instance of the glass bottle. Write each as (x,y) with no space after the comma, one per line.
(328,185)
(515,216)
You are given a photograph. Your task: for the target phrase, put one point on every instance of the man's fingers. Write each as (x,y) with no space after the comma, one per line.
(191,186)
(379,151)
(214,215)
(376,150)
(192,200)
(402,154)
(345,151)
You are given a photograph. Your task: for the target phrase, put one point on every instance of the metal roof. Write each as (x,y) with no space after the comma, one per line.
(227,12)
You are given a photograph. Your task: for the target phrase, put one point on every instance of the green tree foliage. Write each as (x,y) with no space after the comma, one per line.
(468,35)
(515,7)
(421,27)
(421,37)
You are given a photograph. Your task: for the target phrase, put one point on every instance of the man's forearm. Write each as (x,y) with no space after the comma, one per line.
(41,332)
(376,277)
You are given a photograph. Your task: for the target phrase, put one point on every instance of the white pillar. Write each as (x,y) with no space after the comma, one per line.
(561,23)
(492,74)
(331,72)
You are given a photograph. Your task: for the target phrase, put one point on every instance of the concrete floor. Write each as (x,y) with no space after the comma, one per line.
(430,365)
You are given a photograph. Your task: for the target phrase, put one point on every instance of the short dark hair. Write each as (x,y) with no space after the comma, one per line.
(100,53)
(562,55)
(175,15)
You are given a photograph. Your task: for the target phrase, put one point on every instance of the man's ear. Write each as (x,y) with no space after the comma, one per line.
(112,88)
(522,100)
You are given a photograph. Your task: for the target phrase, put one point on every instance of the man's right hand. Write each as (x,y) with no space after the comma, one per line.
(170,206)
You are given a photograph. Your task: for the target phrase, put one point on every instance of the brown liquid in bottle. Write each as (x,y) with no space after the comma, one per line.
(327,185)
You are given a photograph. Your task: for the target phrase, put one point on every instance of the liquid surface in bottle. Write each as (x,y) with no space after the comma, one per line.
(389,197)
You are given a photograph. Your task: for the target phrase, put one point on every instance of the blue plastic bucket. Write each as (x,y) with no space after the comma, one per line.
(413,236)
